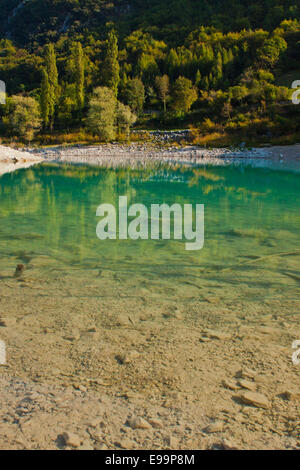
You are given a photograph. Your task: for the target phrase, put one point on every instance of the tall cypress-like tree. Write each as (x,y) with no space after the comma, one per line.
(45,98)
(51,69)
(111,67)
(79,75)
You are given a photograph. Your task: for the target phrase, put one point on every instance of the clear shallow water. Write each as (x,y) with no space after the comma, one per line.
(50,210)
(81,303)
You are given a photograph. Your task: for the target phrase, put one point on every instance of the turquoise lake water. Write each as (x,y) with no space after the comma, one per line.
(51,210)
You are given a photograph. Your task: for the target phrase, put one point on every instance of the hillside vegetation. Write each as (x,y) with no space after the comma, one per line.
(222,68)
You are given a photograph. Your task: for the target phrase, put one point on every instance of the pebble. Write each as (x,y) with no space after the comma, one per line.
(123,320)
(226,444)
(173,442)
(146,317)
(128,357)
(217,335)
(247,384)
(204,339)
(156,423)
(19,270)
(230,384)
(246,373)
(95,422)
(126,444)
(139,423)
(216,426)
(74,336)
(71,439)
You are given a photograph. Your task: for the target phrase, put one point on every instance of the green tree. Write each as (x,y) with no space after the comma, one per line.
(172,63)
(184,95)
(271,50)
(79,75)
(51,69)
(198,79)
(163,89)
(45,98)
(111,67)
(135,95)
(125,118)
(24,117)
(102,113)
(147,67)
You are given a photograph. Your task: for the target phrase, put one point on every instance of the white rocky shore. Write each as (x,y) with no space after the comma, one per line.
(137,154)
(141,154)
(13,159)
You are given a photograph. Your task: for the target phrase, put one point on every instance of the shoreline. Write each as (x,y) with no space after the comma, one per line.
(13,159)
(142,151)
(116,154)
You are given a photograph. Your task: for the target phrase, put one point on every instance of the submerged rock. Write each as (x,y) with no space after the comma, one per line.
(19,270)
(255,399)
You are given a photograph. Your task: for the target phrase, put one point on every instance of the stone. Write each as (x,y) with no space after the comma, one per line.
(226,444)
(216,426)
(139,423)
(156,423)
(291,395)
(230,384)
(247,385)
(173,442)
(246,373)
(74,336)
(95,422)
(255,399)
(214,334)
(128,357)
(175,314)
(97,436)
(126,444)
(71,439)
(122,320)
(146,317)
(19,270)
(204,339)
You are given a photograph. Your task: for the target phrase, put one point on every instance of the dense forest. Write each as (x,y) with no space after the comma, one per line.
(81,69)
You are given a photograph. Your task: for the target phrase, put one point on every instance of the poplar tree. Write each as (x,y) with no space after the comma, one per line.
(51,69)
(79,75)
(111,67)
(45,98)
